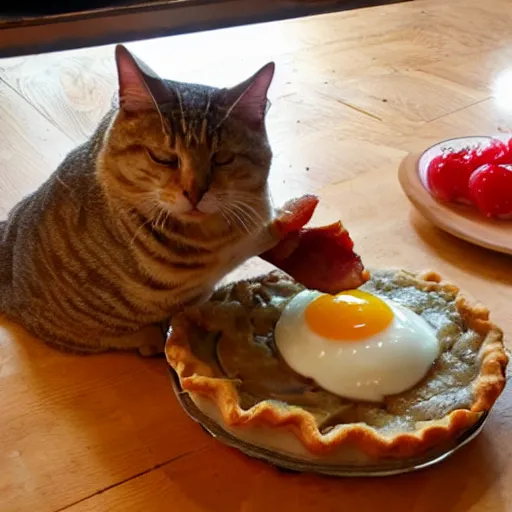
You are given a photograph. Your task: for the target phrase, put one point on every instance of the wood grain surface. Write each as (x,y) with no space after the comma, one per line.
(354,93)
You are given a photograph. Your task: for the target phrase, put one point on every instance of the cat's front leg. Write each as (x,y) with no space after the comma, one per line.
(153,339)
(148,341)
(292,216)
(256,244)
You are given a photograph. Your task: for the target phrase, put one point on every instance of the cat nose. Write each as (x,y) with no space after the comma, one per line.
(194,195)
(195,189)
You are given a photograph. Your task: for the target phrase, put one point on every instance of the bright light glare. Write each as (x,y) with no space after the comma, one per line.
(502,90)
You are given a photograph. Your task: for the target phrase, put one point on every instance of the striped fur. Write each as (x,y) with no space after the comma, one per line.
(104,252)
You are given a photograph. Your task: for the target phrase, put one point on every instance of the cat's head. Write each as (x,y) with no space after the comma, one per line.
(189,150)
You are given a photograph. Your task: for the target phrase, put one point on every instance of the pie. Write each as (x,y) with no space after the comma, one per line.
(225,357)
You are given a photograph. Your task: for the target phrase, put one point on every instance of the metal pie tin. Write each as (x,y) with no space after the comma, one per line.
(289,463)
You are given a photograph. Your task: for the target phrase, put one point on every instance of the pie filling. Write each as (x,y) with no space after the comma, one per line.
(234,335)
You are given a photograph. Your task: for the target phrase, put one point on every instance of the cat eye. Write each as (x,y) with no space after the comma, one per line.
(172,161)
(223,157)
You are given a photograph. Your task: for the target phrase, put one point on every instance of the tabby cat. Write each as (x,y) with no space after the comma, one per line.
(168,196)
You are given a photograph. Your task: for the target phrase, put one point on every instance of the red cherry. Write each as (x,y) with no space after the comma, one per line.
(448,176)
(491,190)
(493,152)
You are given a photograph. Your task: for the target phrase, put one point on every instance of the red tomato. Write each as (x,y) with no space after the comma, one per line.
(491,190)
(510,150)
(493,152)
(448,176)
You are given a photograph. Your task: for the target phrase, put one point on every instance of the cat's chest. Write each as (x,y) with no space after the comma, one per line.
(164,286)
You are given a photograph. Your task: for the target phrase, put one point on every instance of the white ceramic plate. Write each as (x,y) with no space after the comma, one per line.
(459,220)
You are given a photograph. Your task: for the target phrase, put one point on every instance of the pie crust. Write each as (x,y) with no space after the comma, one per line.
(293,430)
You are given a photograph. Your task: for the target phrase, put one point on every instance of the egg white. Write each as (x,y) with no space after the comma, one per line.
(386,363)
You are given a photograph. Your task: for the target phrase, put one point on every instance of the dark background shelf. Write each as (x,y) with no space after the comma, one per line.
(32,27)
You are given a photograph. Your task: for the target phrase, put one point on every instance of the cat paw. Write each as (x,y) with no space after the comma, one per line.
(152,350)
(151,339)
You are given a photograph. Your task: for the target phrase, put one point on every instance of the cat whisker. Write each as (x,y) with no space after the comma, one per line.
(226,217)
(241,205)
(160,220)
(257,215)
(246,198)
(216,202)
(166,218)
(137,231)
(252,226)
(250,213)
(238,218)
(136,234)
(245,215)
(156,222)
(241,194)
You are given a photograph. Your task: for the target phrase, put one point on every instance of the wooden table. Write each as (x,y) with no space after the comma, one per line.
(354,93)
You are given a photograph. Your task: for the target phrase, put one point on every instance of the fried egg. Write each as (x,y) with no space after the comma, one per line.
(355,344)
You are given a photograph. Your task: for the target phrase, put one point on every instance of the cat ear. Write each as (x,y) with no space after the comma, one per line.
(249,99)
(140,88)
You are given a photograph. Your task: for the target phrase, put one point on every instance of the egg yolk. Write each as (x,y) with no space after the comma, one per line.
(347,316)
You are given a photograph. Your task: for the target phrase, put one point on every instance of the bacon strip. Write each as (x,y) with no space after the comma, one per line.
(320,258)
(295,214)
